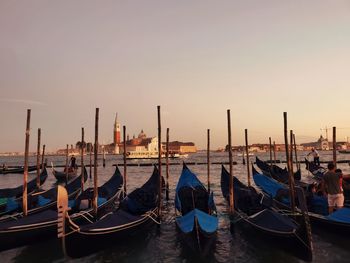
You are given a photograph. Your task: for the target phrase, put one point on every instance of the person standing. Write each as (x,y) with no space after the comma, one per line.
(316,156)
(331,183)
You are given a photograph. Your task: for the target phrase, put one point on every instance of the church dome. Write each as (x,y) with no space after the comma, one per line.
(142,135)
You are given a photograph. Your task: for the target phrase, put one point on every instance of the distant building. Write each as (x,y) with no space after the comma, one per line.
(181,147)
(320,144)
(141,144)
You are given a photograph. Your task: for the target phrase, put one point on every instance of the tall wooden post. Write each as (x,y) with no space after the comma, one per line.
(167,165)
(208,159)
(247,153)
(82,158)
(124,157)
(25,173)
(270,148)
(230,161)
(335,146)
(159,161)
(38,160)
(42,158)
(104,156)
(90,156)
(274,152)
(296,152)
(291,153)
(95,162)
(67,153)
(291,186)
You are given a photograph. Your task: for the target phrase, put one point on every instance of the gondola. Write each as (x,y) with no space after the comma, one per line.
(43,200)
(254,211)
(63,176)
(135,215)
(43,225)
(316,170)
(17,170)
(338,221)
(11,198)
(276,172)
(196,219)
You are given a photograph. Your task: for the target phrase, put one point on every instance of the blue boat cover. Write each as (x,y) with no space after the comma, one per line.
(11,205)
(268,184)
(341,215)
(206,222)
(187,179)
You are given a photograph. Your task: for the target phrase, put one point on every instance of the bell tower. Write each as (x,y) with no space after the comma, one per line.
(116,132)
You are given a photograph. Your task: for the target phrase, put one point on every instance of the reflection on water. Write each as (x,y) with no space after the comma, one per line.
(162,244)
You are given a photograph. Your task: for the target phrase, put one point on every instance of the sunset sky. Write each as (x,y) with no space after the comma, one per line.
(196,59)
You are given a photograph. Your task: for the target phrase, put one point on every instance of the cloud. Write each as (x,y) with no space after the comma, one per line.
(31,102)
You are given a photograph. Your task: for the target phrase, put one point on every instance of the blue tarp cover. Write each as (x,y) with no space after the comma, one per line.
(187,179)
(206,222)
(268,184)
(341,215)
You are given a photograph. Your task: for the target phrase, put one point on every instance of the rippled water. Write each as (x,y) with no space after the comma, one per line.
(162,244)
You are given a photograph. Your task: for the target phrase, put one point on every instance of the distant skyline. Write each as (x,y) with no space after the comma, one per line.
(194,58)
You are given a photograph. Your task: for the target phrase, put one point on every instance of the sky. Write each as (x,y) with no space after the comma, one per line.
(195,59)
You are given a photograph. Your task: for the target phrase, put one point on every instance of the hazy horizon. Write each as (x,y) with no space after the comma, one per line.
(194,58)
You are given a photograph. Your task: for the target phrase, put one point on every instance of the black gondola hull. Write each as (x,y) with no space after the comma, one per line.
(80,244)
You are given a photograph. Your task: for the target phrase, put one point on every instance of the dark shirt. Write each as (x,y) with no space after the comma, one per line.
(332,182)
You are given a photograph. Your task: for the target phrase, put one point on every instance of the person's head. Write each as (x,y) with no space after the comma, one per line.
(313,149)
(339,171)
(313,187)
(331,166)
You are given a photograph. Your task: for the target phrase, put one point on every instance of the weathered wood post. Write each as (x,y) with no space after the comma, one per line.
(274,152)
(291,185)
(167,165)
(230,161)
(335,146)
(104,156)
(42,158)
(208,159)
(67,153)
(159,162)
(90,156)
(296,152)
(38,160)
(124,158)
(25,173)
(270,148)
(82,158)
(95,162)
(247,153)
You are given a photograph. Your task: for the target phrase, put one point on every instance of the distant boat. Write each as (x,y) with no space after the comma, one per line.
(152,155)
(244,154)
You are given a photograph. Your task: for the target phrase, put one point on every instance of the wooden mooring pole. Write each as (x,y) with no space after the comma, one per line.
(335,146)
(43,158)
(95,162)
(247,154)
(25,173)
(291,187)
(82,158)
(167,165)
(159,163)
(208,159)
(270,149)
(38,160)
(230,162)
(124,158)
